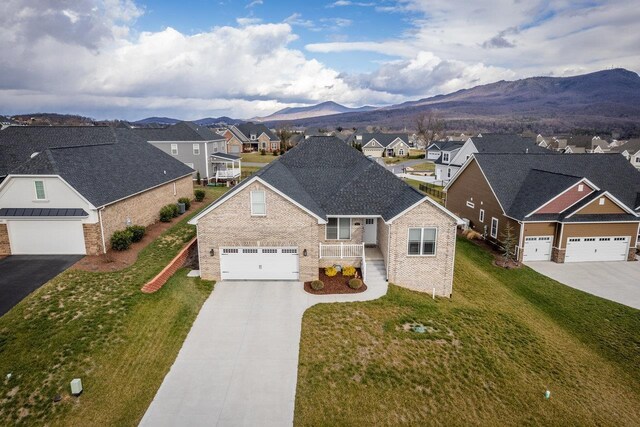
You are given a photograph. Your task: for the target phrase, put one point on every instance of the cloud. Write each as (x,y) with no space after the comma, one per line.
(254,3)
(248,20)
(295,19)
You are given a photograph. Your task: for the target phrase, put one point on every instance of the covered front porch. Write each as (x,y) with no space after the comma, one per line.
(225,167)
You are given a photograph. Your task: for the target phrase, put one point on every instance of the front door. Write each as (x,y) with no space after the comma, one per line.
(370,231)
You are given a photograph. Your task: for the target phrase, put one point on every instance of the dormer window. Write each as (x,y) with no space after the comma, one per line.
(601,201)
(445,157)
(253,137)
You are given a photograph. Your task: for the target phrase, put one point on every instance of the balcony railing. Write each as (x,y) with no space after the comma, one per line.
(342,250)
(229,173)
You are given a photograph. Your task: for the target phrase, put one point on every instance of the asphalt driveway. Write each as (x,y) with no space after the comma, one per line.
(239,363)
(615,281)
(22,274)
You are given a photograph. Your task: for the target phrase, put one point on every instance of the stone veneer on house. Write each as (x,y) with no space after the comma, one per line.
(5,247)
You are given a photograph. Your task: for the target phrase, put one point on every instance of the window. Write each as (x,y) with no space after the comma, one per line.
(339,229)
(580,188)
(494,228)
(368,221)
(401,152)
(422,241)
(637,159)
(40,194)
(448,172)
(215,148)
(601,201)
(481,215)
(196,149)
(445,157)
(253,136)
(174,149)
(258,203)
(471,205)
(274,145)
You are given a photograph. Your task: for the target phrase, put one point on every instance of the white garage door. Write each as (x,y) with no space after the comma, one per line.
(580,249)
(234,149)
(259,263)
(46,237)
(373,152)
(537,248)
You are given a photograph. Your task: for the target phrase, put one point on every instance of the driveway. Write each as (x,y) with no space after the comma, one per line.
(239,363)
(615,281)
(22,274)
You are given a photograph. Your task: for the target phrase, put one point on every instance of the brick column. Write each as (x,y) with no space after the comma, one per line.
(5,247)
(557,255)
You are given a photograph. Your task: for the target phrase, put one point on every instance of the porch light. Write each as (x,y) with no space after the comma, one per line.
(304,253)
(212,252)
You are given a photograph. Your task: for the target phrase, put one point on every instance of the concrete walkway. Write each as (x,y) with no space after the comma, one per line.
(615,281)
(239,363)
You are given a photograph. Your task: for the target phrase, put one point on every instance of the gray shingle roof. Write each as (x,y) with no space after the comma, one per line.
(632,146)
(109,172)
(181,131)
(256,128)
(523,182)
(384,138)
(506,143)
(225,156)
(18,143)
(329,177)
(446,145)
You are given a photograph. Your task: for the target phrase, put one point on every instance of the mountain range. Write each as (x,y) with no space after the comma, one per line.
(207,121)
(327,108)
(602,101)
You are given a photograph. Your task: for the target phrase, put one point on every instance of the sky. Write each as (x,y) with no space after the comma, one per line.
(130,59)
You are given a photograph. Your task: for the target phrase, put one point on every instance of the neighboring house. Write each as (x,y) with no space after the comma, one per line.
(319,205)
(5,122)
(559,208)
(446,168)
(247,137)
(196,146)
(585,144)
(383,144)
(435,150)
(631,151)
(19,143)
(70,200)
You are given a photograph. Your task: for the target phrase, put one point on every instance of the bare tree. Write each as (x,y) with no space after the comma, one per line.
(284,133)
(429,125)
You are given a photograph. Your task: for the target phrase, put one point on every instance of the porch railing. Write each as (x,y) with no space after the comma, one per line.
(229,173)
(342,250)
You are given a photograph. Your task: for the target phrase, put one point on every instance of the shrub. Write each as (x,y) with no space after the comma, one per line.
(330,271)
(348,270)
(174,209)
(282,151)
(121,240)
(186,201)
(198,178)
(263,152)
(137,232)
(355,283)
(199,195)
(317,285)
(166,213)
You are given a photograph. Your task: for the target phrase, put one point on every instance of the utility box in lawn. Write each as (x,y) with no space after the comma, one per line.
(182,208)
(76,386)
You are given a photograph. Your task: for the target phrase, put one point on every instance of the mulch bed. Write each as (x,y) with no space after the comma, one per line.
(498,259)
(117,260)
(337,284)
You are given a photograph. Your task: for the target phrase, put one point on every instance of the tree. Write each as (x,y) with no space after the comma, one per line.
(509,243)
(284,133)
(428,127)
(198,178)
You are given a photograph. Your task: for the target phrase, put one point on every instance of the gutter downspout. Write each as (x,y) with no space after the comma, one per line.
(104,245)
(388,248)
(206,160)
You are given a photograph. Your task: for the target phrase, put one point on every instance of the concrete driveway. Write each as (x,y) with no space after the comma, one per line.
(615,281)
(239,363)
(22,274)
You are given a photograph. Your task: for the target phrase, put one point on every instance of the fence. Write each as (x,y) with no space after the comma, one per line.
(432,190)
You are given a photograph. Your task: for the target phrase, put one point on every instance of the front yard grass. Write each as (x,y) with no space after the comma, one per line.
(487,357)
(424,167)
(101,328)
(256,157)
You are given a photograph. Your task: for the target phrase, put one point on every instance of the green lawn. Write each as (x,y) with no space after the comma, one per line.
(101,328)
(424,167)
(488,356)
(258,158)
